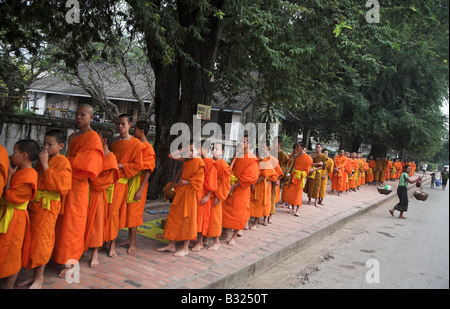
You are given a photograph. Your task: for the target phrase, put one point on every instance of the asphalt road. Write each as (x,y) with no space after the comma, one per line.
(377,251)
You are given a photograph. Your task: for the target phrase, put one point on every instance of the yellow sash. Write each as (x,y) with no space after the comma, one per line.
(109,194)
(123,180)
(233,181)
(47,197)
(370,170)
(7,217)
(300,175)
(133,186)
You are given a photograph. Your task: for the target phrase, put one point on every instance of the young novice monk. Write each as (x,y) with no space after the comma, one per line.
(20,188)
(101,194)
(302,166)
(218,196)
(136,206)
(54,182)
(260,195)
(204,204)
(181,222)
(245,172)
(85,154)
(129,153)
(4,168)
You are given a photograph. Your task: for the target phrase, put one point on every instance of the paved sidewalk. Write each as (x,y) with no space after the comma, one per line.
(253,252)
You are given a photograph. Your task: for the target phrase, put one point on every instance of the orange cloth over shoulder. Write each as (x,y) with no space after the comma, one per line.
(303,164)
(15,243)
(182,219)
(236,209)
(260,197)
(371,171)
(4,167)
(98,202)
(135,211)
(209,184)
(85,154)
(338,179)
(57,179)
(130,154)
(221,193)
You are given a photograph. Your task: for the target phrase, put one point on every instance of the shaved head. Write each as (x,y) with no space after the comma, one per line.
(88,108)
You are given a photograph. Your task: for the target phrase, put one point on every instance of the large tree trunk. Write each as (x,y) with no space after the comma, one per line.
(193,80)
(167,89)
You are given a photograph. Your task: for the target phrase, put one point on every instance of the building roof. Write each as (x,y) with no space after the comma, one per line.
(116,86)
(238,102)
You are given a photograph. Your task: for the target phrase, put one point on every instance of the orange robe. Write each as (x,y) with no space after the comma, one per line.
(387,171)
(236,210)
(275,192)
(364,172)
(302,165)
(348,172)
(282,161)
(85,154)
(353,175)
(15,242)
(135,211)
(285,188)
(209,184)
(371,172)
(398,167)
(328,171)
(222,191)
(338,178)
(182,219)
(98,202)
(57,179)
(260,197)
(4,167)
(130,154)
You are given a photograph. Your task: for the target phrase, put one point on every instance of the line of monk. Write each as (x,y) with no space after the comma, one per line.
(68,204)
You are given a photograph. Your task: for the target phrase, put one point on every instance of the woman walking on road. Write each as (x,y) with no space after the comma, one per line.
(402,192)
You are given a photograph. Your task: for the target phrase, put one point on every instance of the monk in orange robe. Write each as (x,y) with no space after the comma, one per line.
(101,194)
(378,171)
(388,170)
(245,171)
(365,170)
(353,175)
(283,159)
(218,196)
(205,201)
(54,182)
(135,208)
(287,170)
(275,190)
(371,172)
(338,180)
(85,154)
(181,222)
(260,195)
(302,167)
(398,168)
(20,188)
(328,172)
(4,167)
(315,175)
(129,153)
